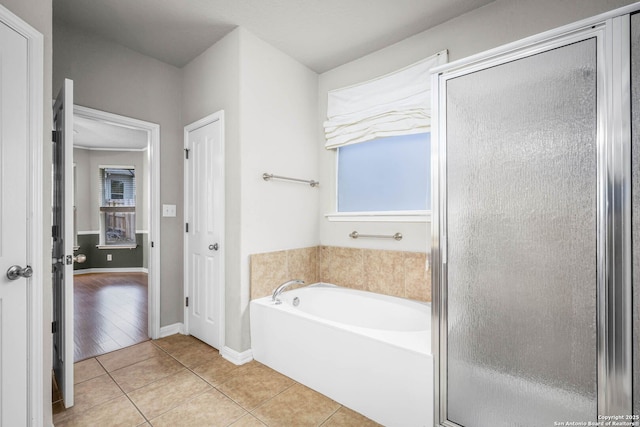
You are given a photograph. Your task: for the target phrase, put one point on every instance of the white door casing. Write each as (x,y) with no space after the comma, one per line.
(63,242)
(204,233)
(21,238)
(153,189)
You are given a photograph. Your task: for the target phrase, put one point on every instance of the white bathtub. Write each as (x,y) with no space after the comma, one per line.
(369,352)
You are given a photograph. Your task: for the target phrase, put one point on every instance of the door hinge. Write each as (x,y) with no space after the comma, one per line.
(54,327)
(186,301)
(55,135)
(186,227)
(186,153)
(54,231)
(152,244)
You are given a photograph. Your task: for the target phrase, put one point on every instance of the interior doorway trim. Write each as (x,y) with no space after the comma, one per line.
(153,186)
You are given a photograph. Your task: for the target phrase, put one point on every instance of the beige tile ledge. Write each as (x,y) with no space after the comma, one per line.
(397,273)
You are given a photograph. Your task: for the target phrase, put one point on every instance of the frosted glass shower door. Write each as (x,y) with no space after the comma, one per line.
(521,224)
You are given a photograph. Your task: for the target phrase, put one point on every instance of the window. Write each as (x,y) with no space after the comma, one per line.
(385,175)
(118,206)
(381,132)
(117,189)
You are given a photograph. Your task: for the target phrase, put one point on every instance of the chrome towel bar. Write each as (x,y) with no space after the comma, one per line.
(268,176)
(355,235)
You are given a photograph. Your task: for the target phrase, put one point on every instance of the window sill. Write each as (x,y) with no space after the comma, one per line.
(404,216)
(117,209)
(116,246)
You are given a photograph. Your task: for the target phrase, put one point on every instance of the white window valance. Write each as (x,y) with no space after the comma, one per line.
(398,103)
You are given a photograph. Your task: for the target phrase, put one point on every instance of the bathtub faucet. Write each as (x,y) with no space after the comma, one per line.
(282,287)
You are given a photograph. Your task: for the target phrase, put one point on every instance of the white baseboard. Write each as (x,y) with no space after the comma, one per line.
(176,328)
(112,270)
(235,357)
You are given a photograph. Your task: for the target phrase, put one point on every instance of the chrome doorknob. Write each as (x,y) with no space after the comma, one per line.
(213,247)
(15,272)
(80,258)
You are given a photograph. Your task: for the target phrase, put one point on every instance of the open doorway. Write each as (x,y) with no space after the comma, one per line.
(115,186)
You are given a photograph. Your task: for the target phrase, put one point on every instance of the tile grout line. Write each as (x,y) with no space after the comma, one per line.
(121,389)
(170,409)
(185,367)
(127,394)
(87,409)
(332,414)
(72,416)
(247,411)
(212,387)
(269,400)
(229,397)
(152,382)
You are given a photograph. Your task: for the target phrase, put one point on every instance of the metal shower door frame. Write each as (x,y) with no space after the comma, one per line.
(614,280)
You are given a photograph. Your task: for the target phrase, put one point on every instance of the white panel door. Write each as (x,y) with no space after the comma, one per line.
(14,191)
(63,345)
(204,210)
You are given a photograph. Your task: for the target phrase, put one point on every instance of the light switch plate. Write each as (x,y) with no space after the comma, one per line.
(169,210)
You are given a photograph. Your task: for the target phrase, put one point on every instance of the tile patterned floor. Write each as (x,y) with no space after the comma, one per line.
(180,381)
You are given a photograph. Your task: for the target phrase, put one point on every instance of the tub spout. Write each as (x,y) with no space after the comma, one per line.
(281,288)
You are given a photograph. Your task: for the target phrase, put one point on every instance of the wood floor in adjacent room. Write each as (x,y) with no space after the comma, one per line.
(110,312)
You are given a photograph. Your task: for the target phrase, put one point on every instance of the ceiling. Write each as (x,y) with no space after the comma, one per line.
(322,34)
(99,135)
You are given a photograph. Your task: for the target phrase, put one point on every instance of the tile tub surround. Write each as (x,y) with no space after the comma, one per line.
(268,270)
(395,273)
(197,390)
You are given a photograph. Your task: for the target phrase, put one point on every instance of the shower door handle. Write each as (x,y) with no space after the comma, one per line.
(443,249)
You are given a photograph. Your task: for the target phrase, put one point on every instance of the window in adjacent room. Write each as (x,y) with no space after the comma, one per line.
(118,206)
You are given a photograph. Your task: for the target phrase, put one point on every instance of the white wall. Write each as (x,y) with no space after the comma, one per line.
(278,100)
(112,78)
(278,107)
(210,83)
(495,24)
(270,108)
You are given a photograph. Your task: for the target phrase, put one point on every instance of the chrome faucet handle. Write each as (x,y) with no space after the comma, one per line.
(281,288)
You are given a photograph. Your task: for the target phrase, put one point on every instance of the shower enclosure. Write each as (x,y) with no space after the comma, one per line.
(536,160)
